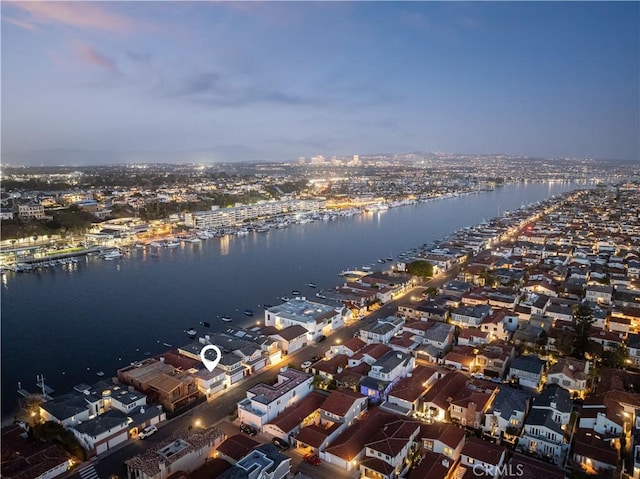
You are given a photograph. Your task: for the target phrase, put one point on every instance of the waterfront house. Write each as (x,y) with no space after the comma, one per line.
(317,318)
(264,402)
(291,338)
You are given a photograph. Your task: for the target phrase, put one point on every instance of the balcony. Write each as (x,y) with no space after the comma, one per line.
(245,405)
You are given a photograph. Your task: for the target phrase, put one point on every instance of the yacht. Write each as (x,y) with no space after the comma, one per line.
(312,285)
(248,312)
(226,319)
(192,332)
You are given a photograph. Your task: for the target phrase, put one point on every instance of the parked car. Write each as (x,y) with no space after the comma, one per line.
(477,375)
(147,431)
(280,443)
(315,359)
(306,364)
(322,338)
(248,429)
(496,380)
(312,459)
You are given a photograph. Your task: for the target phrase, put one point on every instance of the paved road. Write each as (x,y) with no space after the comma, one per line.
(219,408)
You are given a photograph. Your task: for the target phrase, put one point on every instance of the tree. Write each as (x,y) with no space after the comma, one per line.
(564,343)
(583,318)
(421,268)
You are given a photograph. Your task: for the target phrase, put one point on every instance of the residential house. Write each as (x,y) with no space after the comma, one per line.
(291,338)
(264,402)
(601,294)
(482,457)
(468,406)
(493,359)
(185,451)
(288,423)
(382,330)
(443,438)
(264,461)
(337,412)
(317,318)
(436,400)
(528,371)
(473,337)
(570,374)
(505,418)
(466,316)
(404,397)
(593,453)
(387,451)
(385,372)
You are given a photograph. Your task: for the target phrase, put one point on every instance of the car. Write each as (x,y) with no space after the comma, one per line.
(280,443)
(496,380)
(477,375)
(315,359)
(147,431)
(306,364)
(248,429)
(322,338)
(312,459)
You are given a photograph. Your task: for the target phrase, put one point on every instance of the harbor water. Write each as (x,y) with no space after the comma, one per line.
(73,321)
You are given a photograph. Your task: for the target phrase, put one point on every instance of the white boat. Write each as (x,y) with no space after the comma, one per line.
(111,255)
(226,319)
(312,285)
(242,232)
(172,244)
(192,332)
(100,373)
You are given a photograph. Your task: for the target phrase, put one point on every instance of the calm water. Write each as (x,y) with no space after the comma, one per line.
(100,315)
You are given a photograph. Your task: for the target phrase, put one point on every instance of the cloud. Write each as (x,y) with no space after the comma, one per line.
(20,23)
(76,14)
(88,54)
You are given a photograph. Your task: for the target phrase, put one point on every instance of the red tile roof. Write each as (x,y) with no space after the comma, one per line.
(291,417)
(340,401)
(482,450)
(353,439)
(237,446)
(411,388)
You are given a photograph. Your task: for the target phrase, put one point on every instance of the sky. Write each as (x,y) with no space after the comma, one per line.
(101,82)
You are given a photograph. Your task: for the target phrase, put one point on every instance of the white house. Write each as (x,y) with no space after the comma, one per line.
(264,401)
(318,319)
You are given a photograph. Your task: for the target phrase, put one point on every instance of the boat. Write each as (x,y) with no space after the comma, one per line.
(312,285)
(167,345)
(100,373)
(295,292)
(206,324)
(285,298)
(381,260)
(226,319)
(111,255)
(366,268)
(248,312)
(172,244)
(192,332)
(320,295)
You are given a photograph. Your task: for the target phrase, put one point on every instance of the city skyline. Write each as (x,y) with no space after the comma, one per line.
(214,82)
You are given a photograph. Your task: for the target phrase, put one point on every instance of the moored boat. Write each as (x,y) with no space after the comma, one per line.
(226,319)
(248,312)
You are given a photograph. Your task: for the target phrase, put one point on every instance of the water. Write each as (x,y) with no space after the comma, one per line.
(100,315)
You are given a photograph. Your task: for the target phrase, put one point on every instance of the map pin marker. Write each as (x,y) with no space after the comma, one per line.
(210,364)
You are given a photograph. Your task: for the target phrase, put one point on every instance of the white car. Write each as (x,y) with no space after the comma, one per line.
(147,431)
(306,364)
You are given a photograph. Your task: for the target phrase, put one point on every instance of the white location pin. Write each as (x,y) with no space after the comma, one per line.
(210,364)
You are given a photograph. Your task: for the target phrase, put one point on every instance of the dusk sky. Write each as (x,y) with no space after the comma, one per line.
(203,82)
